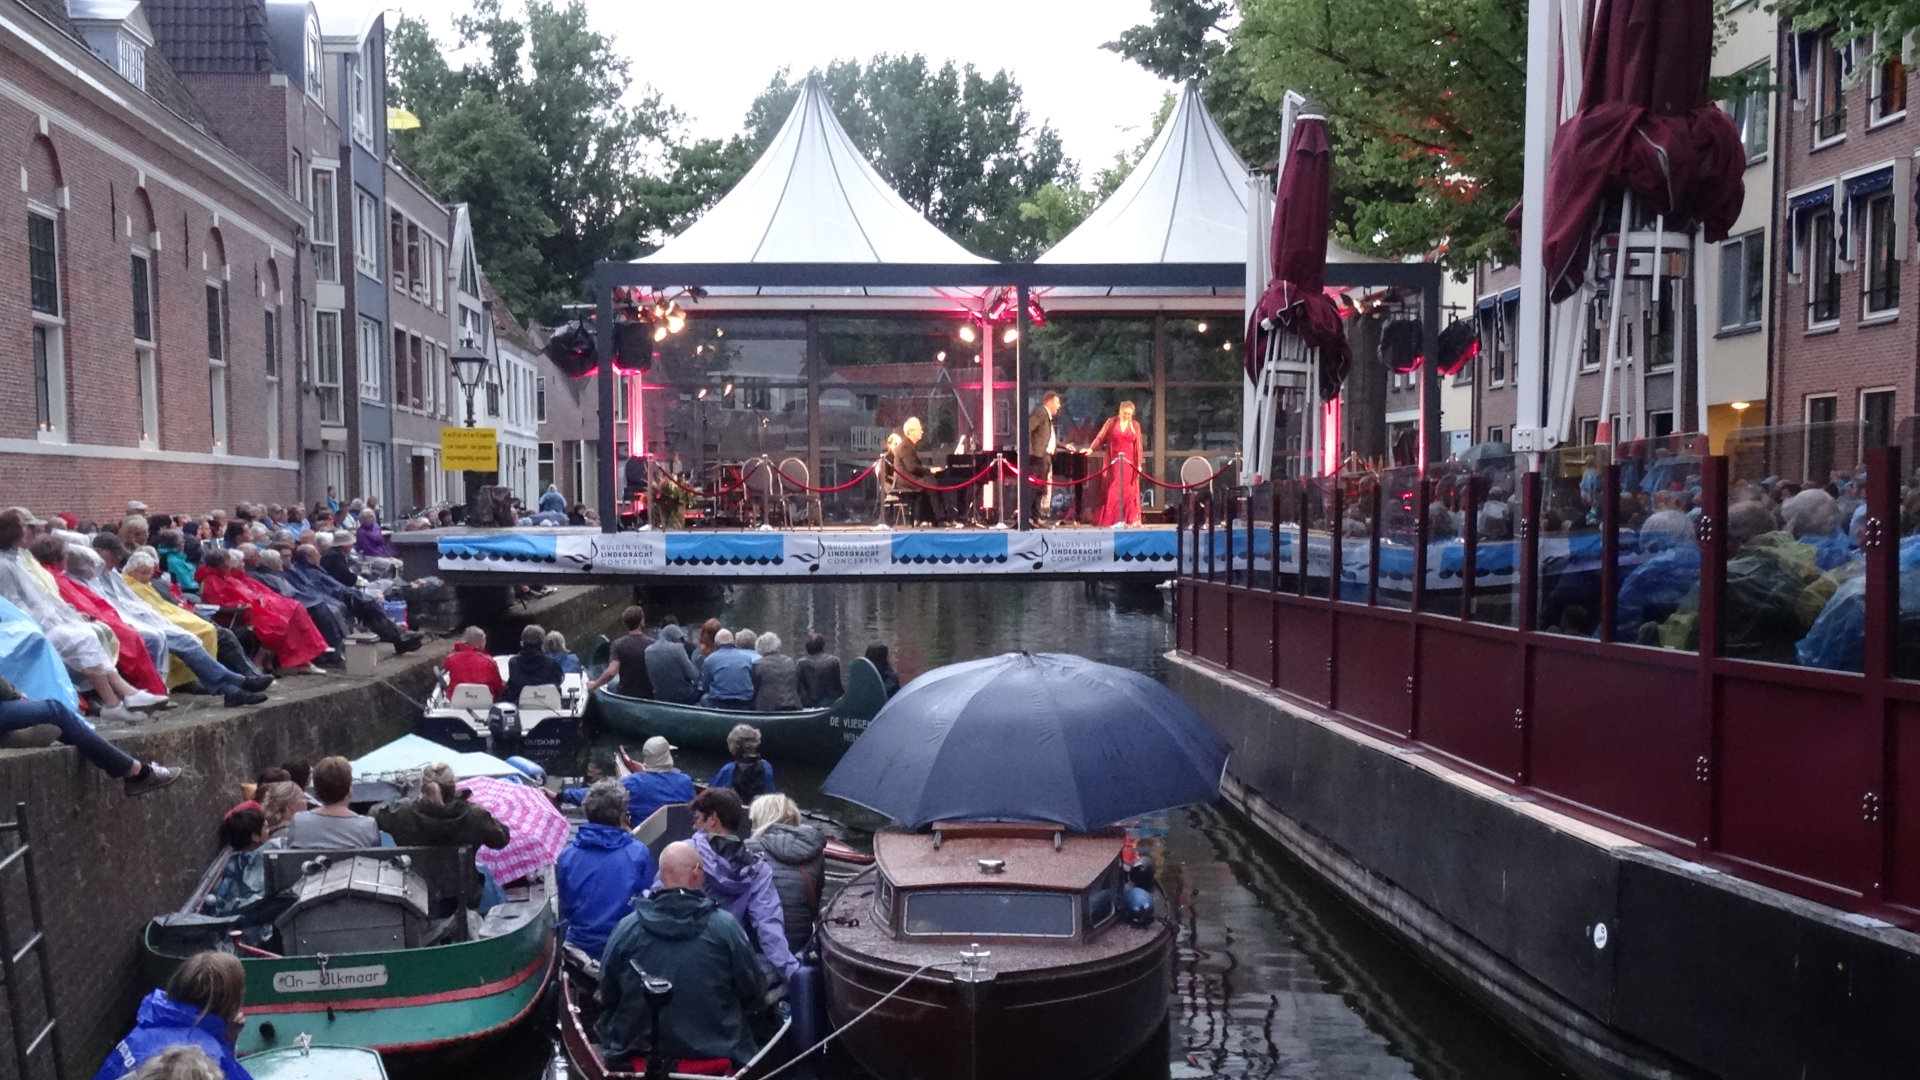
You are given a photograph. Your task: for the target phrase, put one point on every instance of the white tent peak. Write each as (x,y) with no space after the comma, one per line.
(812,197)
(1186,201)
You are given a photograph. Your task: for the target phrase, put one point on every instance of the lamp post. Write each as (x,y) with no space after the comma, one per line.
(469,367)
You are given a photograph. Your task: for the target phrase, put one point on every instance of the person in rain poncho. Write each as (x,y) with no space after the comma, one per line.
(1766,572)
(1669,569)
(86,647)
(90,568)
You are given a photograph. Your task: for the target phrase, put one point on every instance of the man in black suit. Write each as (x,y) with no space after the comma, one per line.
(906,462)
(1041,443)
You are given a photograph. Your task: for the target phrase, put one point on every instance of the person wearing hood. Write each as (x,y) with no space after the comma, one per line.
(877,656)
(653,782)
(670,669)
(797,854)
(200,1007)
(602,872)
(680,934)
(738,880)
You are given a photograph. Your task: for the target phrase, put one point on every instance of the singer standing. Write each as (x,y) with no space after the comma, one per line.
(1041,443)
(1121,436)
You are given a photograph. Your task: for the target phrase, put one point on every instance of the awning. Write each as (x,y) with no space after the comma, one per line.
(1873,183)
(1817,199)
(1510,296)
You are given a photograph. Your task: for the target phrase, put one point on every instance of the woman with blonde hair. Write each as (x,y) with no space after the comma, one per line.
(797,853)
(200,1007)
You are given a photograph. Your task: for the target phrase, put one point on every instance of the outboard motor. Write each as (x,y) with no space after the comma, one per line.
(503,729)
(1137,902)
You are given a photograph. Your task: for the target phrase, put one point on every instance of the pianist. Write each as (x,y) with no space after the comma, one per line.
(1041,444)
(911,478)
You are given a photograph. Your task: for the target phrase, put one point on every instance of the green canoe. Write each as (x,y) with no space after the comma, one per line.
(388,959)
(815,735)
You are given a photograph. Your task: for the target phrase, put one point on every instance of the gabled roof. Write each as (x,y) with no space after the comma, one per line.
(1186,201)
(812,197)
(212,36)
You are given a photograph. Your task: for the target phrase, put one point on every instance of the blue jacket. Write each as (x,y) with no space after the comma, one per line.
(162,1023)
(649,791)
(728,674)
(553,502)
(724,778)
(600,875)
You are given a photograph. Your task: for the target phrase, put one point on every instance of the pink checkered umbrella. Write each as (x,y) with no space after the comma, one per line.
(539,831)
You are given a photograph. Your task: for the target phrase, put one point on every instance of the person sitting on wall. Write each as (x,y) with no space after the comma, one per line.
(469,664)
(726,678)
(200,1008)
(304,572)
(653,782)
(42,722)
(283,627)
(531,666)
(602,872)
(138,656)
(680,934)
(223,643)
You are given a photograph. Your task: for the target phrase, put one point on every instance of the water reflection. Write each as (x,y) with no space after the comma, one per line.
(1274,975)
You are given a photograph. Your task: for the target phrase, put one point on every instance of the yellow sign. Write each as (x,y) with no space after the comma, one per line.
(473,448)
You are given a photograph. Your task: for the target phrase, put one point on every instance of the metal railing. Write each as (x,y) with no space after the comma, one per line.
(1608,638)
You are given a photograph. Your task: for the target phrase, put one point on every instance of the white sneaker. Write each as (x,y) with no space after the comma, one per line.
(141,699)
(120,714)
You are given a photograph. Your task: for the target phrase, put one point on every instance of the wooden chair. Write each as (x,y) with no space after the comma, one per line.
(810,510)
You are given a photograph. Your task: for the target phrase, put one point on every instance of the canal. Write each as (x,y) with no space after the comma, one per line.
(1274,975)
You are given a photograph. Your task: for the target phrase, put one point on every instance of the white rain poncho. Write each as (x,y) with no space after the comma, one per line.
(82,643)
(89,569)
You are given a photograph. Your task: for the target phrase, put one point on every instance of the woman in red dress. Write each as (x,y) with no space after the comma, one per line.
(281,623)
(1121,436)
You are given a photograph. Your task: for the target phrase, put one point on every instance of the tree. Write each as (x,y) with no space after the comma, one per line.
(1425,103)
(1893,21)
(557,93)
(1060,206)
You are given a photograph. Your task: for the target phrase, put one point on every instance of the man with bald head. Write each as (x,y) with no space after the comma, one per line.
(678,934)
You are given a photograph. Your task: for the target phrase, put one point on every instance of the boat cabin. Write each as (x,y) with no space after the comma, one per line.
(970,881)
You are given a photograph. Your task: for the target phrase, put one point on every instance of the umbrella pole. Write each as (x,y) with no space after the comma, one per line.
(1606,435)
(1699,338)
(1655,304)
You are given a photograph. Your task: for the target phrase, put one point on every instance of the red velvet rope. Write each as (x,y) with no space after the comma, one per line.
(1179,487)
(863,474)
(1101,471)
(717,492)
(977,477)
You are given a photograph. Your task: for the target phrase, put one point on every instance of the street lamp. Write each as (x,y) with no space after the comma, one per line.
(469,367)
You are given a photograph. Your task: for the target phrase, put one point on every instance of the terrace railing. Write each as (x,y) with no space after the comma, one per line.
(1602,636)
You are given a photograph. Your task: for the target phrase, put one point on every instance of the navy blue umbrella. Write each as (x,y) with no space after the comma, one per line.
(1031,737)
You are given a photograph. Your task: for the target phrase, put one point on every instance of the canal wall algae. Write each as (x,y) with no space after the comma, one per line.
(1613,959)
(107,863)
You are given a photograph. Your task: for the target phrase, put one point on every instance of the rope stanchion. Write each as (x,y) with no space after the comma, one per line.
(718,491)
(1217,473)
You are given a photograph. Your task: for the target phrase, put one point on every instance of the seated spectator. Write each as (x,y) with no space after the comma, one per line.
(797,854)
(170,546)
(653,782)
(747,773)
(531,666)
(877,656)
(18,713)
(627,658)
(334,826)
(469,664)
(1669,569)
(671,670)
(708,643)
(136,662)
(336,557)
(283,627)
(370,540)
(218,640)
(96,568)
(443,815)
(556,647)
(280,801)
(679,934)
(819,675)
(726,679)
(600,766)
(304,571)
(263,565)
(200,1008)
(132,532)
(776,679)
(738,880)
(244,878)
(602,872)
(1813,517)
(552,502)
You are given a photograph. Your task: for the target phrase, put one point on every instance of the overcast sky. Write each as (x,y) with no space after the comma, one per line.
(711,59)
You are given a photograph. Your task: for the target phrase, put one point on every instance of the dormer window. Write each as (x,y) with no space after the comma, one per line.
(316,62)
(132,61)
(117,32)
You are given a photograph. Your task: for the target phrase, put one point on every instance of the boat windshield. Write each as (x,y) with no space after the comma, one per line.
(1008,913)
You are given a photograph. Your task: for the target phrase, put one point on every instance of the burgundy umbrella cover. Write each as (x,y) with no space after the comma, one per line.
(1296,299)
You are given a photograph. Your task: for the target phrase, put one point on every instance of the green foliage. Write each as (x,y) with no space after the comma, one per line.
(1059,207)
(546,88)
(1892,20)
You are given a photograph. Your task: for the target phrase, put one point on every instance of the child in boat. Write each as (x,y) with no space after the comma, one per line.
(243,831)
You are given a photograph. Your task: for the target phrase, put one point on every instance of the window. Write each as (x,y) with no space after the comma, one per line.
(1889,101)
(1659,423)
(416,371)
(326,366)
(43,264)
(1593,343)
(1876,415)
(272,350)
(368,354)
(1882,279)
(1496,434)
(401,389)
(361,89)
(493,395)
(146,387)
(439,274)
(430,375)
(540,401)
(1829,96)
(334,465)
(1589,431)
(315,61)
(1752,111)
(325,238)
(416,269)
(1822,411)
(366,233)
(1823,285)
(373,470)
(397,248)
(545,466)
(217,366)
(132,61)
(1743,281)
(1004,913)
(142,298)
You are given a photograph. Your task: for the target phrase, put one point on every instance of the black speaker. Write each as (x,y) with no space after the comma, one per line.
(632,346)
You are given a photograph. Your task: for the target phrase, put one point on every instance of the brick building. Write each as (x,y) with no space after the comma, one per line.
(152,285)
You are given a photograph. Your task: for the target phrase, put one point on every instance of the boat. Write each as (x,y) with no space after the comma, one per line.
(311,1062)
(674,822)
(545,724)
(996,949)
(377,948)
(578,1011)
(814,735)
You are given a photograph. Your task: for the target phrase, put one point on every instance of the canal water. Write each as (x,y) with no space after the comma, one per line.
(1275,976)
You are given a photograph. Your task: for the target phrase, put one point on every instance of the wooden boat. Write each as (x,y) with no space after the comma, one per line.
(379,948)
(1006,950)
(578,1011)
(817,735)
(674,822)
(545,724)
(316,1063)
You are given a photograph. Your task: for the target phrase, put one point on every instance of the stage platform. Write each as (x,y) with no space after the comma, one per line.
(573,555)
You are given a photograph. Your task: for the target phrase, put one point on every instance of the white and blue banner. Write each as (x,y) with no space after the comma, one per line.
(802,554)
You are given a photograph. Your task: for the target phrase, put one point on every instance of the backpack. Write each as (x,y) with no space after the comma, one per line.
(749,779)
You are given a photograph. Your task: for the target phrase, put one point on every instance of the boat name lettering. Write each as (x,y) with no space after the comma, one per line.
(851,723)
(307,982)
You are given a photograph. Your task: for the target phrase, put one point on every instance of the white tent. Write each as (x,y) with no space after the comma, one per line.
(812,198)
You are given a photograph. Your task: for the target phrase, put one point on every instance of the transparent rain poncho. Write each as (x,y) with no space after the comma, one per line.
(82,643)
(1837,640)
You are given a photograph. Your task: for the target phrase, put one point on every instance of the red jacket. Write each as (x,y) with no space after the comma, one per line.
(467,664)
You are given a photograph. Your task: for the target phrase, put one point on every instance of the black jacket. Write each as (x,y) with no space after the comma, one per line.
(820,682)
(1039,432)
(530,667)
(907,459)
(334,562)
(798,856)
